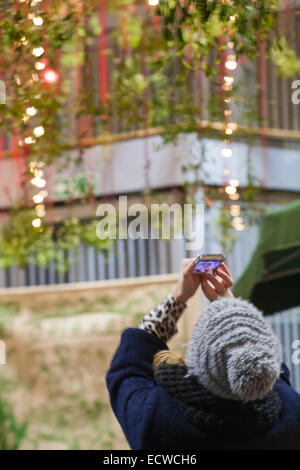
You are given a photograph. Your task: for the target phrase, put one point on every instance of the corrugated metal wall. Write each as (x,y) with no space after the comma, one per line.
(126,258)
(287,326)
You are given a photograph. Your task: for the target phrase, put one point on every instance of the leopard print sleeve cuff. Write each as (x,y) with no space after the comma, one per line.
(162,320)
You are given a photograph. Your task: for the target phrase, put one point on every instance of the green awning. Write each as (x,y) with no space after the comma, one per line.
(272,278)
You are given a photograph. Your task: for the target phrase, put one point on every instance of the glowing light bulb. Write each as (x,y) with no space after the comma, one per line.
(37,20)
(50,76)
(237,220)
(38,198)
(239,227)
(234,182)
(29,140)
(230,189)
(228,79)
(36,223)
(40,210)
(226,152)
(231,63)
(228,131)
(39,182)
(31,111)
(226,87)
(234,197)
(235,210)
(232,18)
(38,51)
(39,131)
(24,40)
(39,65)
(227,112)
(153,3)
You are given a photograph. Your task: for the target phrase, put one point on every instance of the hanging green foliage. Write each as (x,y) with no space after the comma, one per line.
(200,25)
(27,51)
(152,69)
(288,64)
(21,244)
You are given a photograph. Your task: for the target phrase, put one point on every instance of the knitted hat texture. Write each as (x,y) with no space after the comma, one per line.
(233,351)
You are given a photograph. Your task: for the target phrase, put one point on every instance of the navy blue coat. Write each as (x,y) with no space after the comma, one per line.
(151,419)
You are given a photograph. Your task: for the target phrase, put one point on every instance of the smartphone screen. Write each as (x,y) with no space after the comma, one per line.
(207,265)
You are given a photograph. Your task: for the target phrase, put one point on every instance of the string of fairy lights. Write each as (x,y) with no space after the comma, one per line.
(31,115)
(231,185)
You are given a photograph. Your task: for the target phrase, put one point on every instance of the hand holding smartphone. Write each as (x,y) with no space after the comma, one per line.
(215,280)
(207,263)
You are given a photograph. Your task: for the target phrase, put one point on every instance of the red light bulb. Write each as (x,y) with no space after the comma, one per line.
(50,76)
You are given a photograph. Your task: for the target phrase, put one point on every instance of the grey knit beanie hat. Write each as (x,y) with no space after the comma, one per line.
(233,351)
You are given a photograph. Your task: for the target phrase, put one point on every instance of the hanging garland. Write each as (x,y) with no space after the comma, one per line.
(31,32)
(250,22)
(243,27)
(230,67)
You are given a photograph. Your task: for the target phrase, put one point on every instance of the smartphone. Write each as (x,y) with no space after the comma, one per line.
(205,263)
